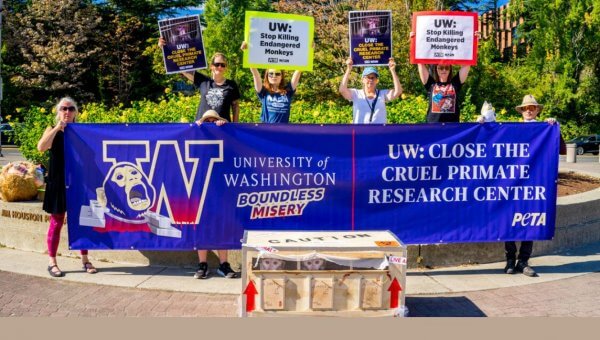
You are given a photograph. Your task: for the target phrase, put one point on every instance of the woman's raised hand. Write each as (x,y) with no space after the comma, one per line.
(391,64)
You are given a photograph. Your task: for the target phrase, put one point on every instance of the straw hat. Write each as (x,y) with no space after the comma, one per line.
(528,100)
(211,114)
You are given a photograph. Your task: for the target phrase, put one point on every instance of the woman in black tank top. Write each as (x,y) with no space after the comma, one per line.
(55,201)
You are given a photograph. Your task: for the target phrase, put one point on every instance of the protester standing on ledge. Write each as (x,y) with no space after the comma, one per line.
(216,92)
(443,89)
(55,197)
(368,103)
(221,95)
(530,109)
(274,93)
(442,92)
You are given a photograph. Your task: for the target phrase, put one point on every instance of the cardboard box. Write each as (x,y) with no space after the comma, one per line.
(327,273)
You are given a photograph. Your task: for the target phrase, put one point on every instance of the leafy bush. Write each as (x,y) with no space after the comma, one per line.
(30,131)
(180,108)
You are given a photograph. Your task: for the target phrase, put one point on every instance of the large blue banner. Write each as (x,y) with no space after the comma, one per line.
(184,187)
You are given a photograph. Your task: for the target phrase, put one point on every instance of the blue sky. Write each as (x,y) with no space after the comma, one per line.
(191,10)
(199,9)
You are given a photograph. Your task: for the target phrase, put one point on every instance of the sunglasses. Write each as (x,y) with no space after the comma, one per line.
(274,74)
(444,68)
(67,108)
(223,65)
(530,108)
(371,77)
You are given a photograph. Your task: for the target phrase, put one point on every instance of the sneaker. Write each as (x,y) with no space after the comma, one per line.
(523,267)
(510,267)
(226,271)
(202,272)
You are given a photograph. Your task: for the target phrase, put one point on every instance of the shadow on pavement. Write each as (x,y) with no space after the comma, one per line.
(576,267)
(458,306)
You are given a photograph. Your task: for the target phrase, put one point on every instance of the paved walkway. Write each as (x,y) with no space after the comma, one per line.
(568,285)
(24,295)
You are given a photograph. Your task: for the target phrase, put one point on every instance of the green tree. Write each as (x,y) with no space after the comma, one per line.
(55,54)
(564,40)
(225,21)
(125,71)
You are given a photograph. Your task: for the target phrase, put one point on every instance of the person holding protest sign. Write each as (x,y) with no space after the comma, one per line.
(218,97)
(442,92)
(216,92)
(274,93)
(55,200)
(212,116)
(368,104)
(443,89)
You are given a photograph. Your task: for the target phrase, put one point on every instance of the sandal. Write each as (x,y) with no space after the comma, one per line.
(52,273)
(89,268)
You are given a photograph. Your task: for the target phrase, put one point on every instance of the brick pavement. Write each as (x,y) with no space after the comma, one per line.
(576,296)
(23,295)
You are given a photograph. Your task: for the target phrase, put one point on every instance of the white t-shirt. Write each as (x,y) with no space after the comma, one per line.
(361,108)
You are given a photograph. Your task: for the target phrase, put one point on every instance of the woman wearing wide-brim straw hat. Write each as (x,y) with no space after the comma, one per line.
(530,109)
(212,116)
(530,105)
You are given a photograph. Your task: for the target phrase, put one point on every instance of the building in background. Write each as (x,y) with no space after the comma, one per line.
(497,24)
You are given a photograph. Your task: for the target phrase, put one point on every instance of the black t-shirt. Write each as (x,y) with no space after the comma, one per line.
(443,100)
(215,97)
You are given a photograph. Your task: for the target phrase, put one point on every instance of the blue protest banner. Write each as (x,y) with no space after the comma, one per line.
(183,187)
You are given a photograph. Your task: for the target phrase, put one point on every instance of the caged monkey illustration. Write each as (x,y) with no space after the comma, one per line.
(126,193)
(370,26)
(179,34)
(271,264)
(314,264)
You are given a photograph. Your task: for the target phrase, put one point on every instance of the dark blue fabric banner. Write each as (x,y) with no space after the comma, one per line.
(184,187)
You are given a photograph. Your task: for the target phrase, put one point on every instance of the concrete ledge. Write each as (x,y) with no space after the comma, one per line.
(23,226)
(577,224)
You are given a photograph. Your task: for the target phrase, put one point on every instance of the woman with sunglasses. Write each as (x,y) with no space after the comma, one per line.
(55,202)
(442,90)
(216,92)
(221,95)
(274,93)
(368,103)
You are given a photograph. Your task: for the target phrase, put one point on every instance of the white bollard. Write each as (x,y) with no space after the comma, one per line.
(571,153)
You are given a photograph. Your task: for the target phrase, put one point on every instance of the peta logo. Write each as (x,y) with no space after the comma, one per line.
(529,219)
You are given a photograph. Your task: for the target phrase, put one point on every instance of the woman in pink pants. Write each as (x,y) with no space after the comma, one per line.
(55,202)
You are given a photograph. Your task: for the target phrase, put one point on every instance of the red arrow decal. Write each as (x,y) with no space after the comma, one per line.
(394,289)
(250,292)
